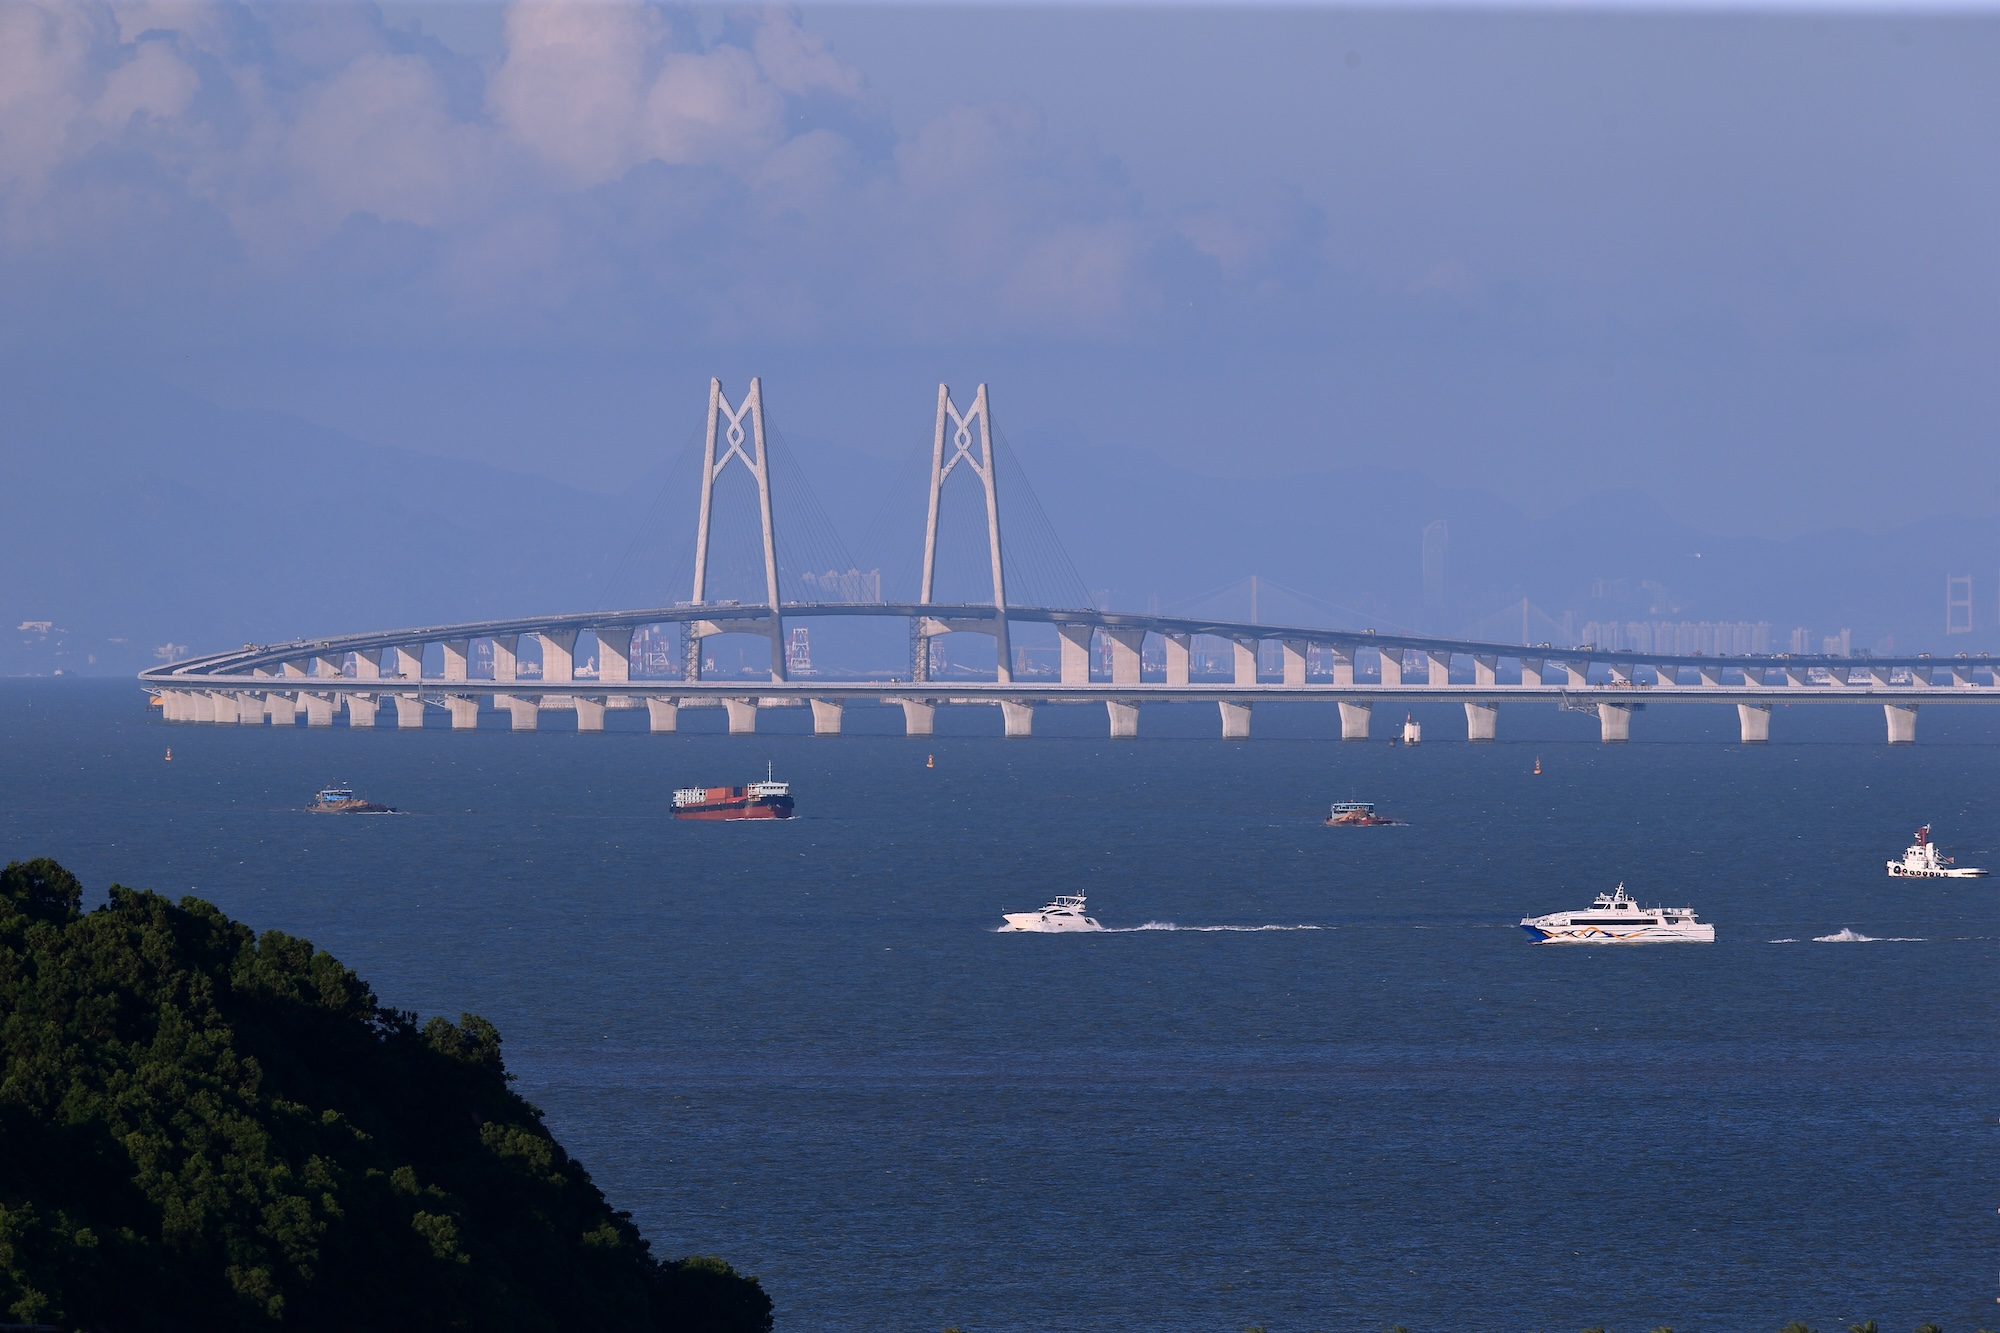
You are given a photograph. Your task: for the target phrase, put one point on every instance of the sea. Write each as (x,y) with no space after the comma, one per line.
(1309,1078)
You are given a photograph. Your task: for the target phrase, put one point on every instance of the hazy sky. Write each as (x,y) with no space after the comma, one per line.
(1743,261)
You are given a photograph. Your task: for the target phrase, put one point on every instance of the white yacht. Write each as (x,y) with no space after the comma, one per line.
(1062,915)
(1921,861)
(1616,919)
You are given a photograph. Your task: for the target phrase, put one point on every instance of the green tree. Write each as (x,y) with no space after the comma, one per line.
(1796,1326)
(1868,1327)
(201,1128)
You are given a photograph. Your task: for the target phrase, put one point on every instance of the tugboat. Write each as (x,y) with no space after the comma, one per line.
(342,801)
(754,800)
(1059,917)
(1413,731)
(1358,814)
(1616,919)
(1921,861)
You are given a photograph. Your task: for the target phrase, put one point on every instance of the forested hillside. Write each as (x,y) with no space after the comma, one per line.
(205,1129)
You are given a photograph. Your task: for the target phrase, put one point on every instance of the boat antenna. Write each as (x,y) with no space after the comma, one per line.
(767,770)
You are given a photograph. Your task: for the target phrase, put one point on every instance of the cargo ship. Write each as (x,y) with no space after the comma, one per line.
(755,800)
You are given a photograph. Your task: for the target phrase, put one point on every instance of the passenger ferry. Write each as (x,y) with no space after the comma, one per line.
(1615,918)
(1921,861)
(1062,916)
(1357,814)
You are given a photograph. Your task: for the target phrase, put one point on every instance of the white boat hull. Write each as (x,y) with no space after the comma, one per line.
(1897,870)
(1544,931)
(1047,924)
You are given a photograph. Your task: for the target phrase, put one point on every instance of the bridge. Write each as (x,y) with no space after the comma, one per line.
(1113,660)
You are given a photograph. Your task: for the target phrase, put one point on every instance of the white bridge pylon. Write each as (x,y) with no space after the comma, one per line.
(757,462)
(981,465)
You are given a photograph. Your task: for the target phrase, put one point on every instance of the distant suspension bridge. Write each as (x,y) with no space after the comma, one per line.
(429,669)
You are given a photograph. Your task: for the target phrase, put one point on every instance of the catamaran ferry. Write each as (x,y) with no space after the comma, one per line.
(1921,861)
(1615,918)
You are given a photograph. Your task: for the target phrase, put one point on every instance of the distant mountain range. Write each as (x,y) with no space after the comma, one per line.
(148,520)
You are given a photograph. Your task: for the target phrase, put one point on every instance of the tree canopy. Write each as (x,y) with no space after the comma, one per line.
(201,1127)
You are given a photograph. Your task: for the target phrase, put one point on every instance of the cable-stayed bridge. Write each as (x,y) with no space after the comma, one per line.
(1114,660)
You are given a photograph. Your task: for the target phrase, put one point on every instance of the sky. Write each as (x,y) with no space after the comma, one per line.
(1740,261)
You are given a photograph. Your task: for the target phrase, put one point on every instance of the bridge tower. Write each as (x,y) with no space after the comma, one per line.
(981,464)
(758,464)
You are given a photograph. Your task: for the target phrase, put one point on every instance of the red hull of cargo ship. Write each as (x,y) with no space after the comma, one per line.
(737,812)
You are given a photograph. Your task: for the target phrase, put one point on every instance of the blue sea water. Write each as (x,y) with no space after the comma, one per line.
(804,1047)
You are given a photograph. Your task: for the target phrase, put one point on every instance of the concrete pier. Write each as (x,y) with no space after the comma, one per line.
(1481,722)
(1179,652)
(1485,670)
(408,661)
(1902,723)
(589,713)
(1235,720)
(1392,666)
(614,655)
(250,709)
(742,716)
(283,709)
(1075,655)
(464,712)
(1124,719)
(506,657)
(1440,668)
(1354,720)
(1614,724)
(826,717)
(1294,658)
(917,717)
(1017,718)
(319,709)
(523,711)
(663,714)
(1531,671)
(455,652)
(1755,721)
(222,707)
(1126,646)
(1243,658)
(361,710)
(558,655)
(410,712)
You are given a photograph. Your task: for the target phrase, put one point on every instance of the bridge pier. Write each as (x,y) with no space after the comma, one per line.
(1614,724)
(455,654)
(1294,657)
(1485,671)
(506,658)
(742,716)
(1126,646)
(918,715)
(410,712)
(826,717)
(1235,720)
(1244,658)
(1902,723)
(1124,719)
(614,654)
(1017,717)
(1343,664)
(283,708)
(589,714)
(1075,655)
(319,710)
(1392,665)
(663,714)
(1354,720)
(361,710)
(525,714)
(222,707)
(250,709)
(1755,721)
(1180,648)
(1531,671)
(558,655)
(464,712)
(1481,721)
